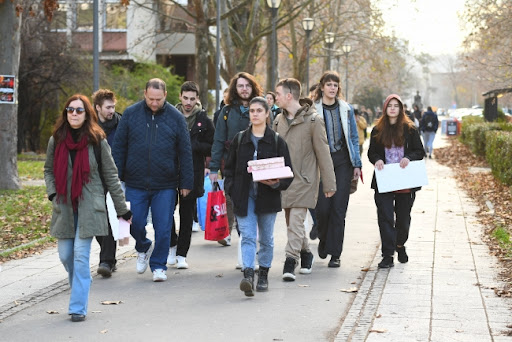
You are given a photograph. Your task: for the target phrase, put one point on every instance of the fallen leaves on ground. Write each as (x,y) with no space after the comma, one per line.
(482,187)
(379,331)
(52,312)
(350,290)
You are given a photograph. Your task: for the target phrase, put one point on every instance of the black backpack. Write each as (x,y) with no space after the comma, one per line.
(429,123)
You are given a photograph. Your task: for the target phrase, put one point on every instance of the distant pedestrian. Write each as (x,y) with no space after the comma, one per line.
(104,101)
(409,114)
(154,158)
(255,203)
(274,109)
(417,115)
(394,139)
(222,104)
(343,141)
(74,184)
(428,126)
(303,129)
(201,132)
(361,127)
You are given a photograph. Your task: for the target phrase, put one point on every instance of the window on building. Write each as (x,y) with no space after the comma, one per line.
(115,16)
(59,17)
(84,16)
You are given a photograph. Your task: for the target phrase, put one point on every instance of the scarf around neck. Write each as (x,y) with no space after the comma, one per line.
(81,168)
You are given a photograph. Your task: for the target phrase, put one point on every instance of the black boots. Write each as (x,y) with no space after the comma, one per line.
(247,284)
(262,285)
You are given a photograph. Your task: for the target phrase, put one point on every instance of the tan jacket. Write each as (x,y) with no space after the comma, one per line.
(361,126)
(311,159)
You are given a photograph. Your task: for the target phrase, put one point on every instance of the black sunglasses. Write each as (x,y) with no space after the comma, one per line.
(79,110)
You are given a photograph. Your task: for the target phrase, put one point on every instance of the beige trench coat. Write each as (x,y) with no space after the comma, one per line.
(311,159)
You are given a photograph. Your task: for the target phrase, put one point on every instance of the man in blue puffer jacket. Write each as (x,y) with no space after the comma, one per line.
(153,155)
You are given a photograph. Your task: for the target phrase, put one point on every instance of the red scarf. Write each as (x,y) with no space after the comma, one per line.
(81,168)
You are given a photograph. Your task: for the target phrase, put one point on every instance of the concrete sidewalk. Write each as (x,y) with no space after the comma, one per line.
(444,293)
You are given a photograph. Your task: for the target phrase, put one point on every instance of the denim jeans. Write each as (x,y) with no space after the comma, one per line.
(428,140)
(161,203)
(74,255)
(254,225)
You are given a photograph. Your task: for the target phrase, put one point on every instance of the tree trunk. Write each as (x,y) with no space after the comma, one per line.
(9,62)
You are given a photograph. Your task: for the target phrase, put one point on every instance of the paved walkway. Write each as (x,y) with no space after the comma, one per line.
(444,293)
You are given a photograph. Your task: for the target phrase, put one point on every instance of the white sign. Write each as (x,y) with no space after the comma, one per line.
(392,177)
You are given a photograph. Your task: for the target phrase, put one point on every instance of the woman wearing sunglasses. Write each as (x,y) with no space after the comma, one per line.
(77,152)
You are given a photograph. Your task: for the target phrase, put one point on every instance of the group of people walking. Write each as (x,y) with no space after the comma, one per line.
(161,154)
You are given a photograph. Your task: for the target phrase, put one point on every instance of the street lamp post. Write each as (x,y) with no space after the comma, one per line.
(274,6)
(329,41)
(307,24)
(346,49)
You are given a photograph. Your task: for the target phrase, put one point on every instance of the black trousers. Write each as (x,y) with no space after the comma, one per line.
(108,247)
(330,212)
(187,210)
(394,217)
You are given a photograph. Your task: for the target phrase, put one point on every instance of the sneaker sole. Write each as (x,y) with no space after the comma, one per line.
(224,243)
(307,270)
(386,266)
(246,287)
(182,267)
(288,277)
(104,272)
(159,280)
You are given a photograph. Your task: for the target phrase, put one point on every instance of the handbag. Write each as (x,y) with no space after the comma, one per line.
(216,226)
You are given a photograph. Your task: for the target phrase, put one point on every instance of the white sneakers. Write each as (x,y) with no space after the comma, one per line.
(181,262)
(226,241)
(143,260)
(159,275)
(196,227)
(171,259)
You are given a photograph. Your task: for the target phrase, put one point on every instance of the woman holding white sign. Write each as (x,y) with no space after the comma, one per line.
(394,139)
(256,203)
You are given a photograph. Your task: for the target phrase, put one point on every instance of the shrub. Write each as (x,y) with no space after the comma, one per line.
(473,133)
(498,153)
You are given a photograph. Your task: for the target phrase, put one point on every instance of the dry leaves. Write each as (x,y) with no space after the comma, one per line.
(482,187)
(350,290)
(52,312)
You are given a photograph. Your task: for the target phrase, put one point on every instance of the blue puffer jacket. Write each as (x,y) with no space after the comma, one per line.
(153,152)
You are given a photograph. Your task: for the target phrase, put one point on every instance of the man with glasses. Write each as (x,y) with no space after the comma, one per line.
(233,118)
(104,102)
(304,132)
(153,155)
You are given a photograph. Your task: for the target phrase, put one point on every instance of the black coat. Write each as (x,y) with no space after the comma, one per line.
(413,149)
(238,181)
(201,139)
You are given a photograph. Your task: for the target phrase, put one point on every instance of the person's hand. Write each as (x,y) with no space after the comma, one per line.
(379,165)
(357,173)
(269,182)
(329,194)
(214,177)
(206,171)
(404,162)
(184,192)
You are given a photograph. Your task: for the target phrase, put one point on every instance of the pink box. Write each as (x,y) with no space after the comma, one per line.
(269,168)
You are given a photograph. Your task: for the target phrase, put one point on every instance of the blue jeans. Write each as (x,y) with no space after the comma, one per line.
(428,139)
(74,255)
(254,225)
(161,203)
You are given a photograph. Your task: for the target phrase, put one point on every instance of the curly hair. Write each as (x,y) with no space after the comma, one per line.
(232,92)
(101,95)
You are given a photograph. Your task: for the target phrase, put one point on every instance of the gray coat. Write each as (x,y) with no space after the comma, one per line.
(92,212)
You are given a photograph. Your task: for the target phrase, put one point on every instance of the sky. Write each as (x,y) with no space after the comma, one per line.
(431,26)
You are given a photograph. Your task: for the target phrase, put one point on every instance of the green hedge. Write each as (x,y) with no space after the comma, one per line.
(498,153)
(474,134)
